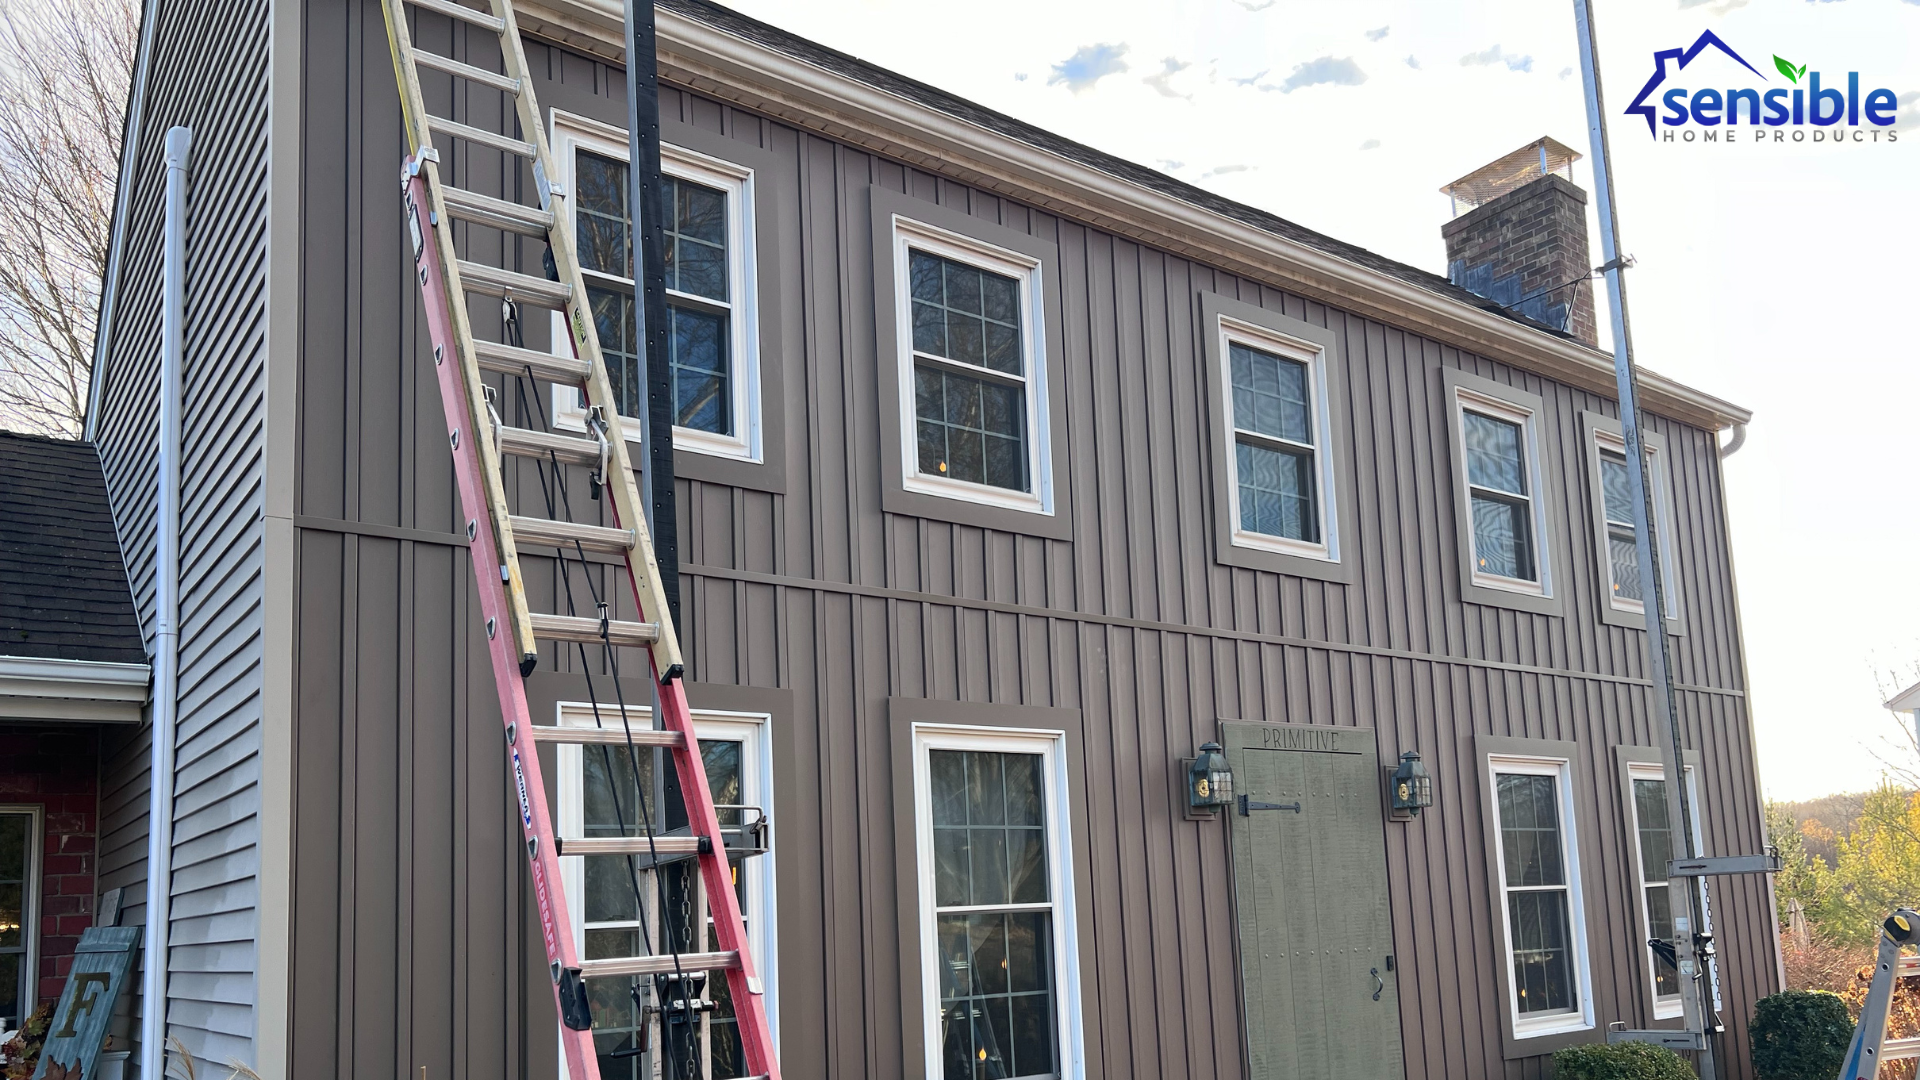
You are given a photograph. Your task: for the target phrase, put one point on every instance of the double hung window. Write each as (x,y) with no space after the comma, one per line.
(1653,838)
(1500,494)
(1620,555)
(1538,875)
(19,861)
(972,372)
(706,214)
(1278,415)
(995,953)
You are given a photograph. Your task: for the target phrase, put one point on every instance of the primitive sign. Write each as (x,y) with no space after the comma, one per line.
(80,1020)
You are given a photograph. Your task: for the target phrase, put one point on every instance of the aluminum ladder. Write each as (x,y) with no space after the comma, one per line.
(1870,1046)
(479,440)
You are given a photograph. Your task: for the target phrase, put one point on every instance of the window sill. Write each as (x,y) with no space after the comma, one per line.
(1510,585)
(1631,615)
(1280,545)
(981,494)
(1559,1024)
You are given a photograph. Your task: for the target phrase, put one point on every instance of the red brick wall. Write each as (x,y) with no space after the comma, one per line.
(58,769)
(1534,241)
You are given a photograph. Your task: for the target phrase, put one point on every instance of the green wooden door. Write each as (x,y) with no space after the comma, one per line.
(1310,896)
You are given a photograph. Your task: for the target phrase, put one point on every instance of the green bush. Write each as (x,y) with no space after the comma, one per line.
(1620,1061)
(1800,1035)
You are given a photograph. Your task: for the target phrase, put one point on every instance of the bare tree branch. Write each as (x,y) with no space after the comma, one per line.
(65,66)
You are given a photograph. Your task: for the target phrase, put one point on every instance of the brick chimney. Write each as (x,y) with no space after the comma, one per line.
(1519,237)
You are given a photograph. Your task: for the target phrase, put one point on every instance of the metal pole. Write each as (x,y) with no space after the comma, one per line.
(1652,590)
(644,193)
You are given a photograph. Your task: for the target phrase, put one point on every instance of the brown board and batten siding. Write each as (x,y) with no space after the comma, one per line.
(208,69)
(413,935)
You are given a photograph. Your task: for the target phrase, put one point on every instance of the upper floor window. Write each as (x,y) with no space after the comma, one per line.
(972,372)
(1503,502)
(712,355)
(1620,554)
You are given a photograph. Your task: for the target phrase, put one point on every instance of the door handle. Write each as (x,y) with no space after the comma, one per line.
(1379,984)
(1247,806)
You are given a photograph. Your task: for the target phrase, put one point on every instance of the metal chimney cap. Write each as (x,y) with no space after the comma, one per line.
(1525,165)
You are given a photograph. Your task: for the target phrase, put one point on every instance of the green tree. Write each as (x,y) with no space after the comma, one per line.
(1878,868)
(1803,876)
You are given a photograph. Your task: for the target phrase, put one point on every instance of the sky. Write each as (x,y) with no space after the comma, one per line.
(1780,277)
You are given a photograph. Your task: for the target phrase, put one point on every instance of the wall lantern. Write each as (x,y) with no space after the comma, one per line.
(1209,781)
(1412,786)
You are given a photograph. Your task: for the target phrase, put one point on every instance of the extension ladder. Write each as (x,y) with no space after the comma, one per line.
(479,440)
(1870,1046)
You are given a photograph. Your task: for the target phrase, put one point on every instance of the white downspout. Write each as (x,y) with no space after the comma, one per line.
(166,646)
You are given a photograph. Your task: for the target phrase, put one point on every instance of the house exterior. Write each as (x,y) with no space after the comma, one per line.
(1008,474)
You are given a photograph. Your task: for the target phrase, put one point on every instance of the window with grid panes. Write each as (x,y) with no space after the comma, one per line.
(1534,868)
(1274,444)
(994,915)
(611,794)
(969,373)
(16,916)
(1501,504)
(1623,558)
(699,295)
(1653,832)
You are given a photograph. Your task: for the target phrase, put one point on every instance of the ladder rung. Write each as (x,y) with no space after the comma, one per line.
(504,143)
(496,213)
(511,360)
(468,72)
(606,736)
(467,14)
(658,965)
(587,629)
(527,442)
(494,281)
(630,845)
(564,534)
(1908,966)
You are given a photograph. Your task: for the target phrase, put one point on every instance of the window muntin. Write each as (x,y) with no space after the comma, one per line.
(969,373)
(1653,837)
(973,379)
(1538,877)
(712,354)
(1275,455)
(1499,496)
(593,802)
(19,838)
(997,970)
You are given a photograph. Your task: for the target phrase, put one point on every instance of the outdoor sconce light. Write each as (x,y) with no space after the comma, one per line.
(1412,786)
(1209,781)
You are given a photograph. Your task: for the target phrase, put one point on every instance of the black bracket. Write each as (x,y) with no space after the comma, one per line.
(576,1011)
(1247,806)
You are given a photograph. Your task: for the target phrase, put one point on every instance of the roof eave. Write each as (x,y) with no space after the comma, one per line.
(40,689)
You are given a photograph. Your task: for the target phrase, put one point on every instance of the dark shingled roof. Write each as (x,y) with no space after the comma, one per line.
(63,587)
(935,98)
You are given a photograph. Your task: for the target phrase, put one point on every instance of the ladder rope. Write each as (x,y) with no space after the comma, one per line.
(513,332)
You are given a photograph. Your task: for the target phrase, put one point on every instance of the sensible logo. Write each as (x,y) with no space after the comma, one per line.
(1813,108)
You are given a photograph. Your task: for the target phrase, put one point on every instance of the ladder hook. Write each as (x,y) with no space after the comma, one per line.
(493,415)
(597,423)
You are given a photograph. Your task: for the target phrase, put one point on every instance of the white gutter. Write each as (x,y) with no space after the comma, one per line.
(166,645)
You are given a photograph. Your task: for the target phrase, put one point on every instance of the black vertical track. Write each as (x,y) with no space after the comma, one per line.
(644,194)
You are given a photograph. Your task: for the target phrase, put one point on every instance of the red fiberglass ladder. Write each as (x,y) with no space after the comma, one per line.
(665,984)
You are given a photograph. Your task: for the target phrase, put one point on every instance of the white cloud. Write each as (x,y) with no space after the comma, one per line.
(1496,55)
(1341,71)
(1413,62)
(1909,114)
(1224,170)
(1566,73)
(1370,144)
(1255,7)
(1170,165)
(1162,80)
(1249,80)
(1087,66)
(1019,76)
(1376,35)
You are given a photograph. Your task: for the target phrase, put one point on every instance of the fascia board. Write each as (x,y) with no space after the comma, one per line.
(1907,700)
(74,680)
(712,61)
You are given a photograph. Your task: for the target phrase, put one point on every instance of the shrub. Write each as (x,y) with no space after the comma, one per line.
(1620,1061)
(22,1052)
(1800,1035)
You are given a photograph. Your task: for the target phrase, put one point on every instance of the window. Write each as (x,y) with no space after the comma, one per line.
(995,963)
(712,352)
(1537,871)
(1654,848)
(1614,506)
(1503,502)
(1277,398)
(973,385)
(599,795)
(19,865)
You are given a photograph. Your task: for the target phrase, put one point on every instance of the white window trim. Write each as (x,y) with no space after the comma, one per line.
(1662,533)
(1581,1018)
(30,902)
(1466,401)
(572,133)
(1667,1007)
(1236,332)
(755,732)
(1051,746)
(909,235)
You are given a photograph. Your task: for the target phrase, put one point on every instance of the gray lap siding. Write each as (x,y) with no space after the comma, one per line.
(414,942)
